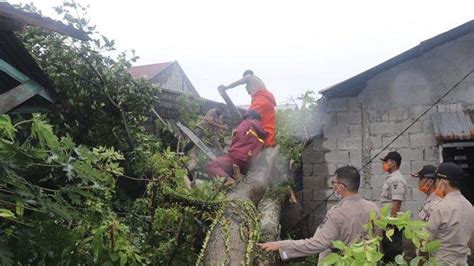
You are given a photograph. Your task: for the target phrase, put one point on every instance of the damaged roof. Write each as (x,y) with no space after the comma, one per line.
(352,87)
(449,126)
(24,87)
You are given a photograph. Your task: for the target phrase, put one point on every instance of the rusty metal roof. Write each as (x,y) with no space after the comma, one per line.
(451,126)
(148,71)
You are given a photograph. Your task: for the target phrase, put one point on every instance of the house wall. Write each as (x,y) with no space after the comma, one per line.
(356,128)
(173,78)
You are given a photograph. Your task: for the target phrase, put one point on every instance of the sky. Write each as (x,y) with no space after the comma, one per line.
(293,46)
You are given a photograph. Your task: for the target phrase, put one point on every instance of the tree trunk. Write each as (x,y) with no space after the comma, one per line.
(270,209)
(231,239)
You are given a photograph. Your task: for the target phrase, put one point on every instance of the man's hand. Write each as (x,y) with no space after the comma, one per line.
(269,246)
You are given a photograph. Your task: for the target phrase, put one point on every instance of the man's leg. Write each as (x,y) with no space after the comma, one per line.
(220,167)
(392,248)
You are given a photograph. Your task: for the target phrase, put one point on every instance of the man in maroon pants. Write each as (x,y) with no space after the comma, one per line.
(247,142)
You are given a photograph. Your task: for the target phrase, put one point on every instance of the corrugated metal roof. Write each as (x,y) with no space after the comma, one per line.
(354,85)
(452,126)
(148,71)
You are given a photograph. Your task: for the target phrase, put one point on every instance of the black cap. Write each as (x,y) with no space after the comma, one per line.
(427,171)
(393,155)
(449,171)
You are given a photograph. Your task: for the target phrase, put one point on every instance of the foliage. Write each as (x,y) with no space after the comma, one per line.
(66,177)
(367,250)
(189,109)
(291,133)
(52,193)
(99,103)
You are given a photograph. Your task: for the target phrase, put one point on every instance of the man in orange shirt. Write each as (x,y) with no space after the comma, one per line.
(262,101)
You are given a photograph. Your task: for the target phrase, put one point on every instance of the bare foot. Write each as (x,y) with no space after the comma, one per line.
(229,182)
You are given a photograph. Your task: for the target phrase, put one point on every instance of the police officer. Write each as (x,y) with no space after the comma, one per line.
(451,221)
(344,222)
(394,190)
(426,184)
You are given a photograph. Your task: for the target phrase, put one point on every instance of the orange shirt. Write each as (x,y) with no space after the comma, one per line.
(264,103)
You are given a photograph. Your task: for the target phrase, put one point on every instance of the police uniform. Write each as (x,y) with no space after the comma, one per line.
(427,172)
(394,188)
(430,203)
(451,221)
(344,222)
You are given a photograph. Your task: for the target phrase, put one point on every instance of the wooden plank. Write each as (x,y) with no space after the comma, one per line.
(18,95)
(22,78)
(12,72)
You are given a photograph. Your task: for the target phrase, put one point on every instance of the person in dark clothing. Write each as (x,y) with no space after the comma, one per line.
(247,142)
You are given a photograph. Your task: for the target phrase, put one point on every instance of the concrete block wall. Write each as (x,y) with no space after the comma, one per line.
(346,137)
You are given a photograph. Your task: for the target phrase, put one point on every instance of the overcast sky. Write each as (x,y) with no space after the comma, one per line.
(294,46)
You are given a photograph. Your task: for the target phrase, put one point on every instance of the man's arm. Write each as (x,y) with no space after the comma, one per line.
(217,125)
(399,190)
(321,241)
(241,81)
(396,205)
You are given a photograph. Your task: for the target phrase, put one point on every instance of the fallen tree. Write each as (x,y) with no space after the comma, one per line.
(232,237)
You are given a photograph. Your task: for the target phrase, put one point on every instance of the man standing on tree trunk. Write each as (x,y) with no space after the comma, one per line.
(394,190)
(262,101)
(344,222)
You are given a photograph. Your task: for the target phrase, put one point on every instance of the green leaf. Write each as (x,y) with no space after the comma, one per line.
(339,244)
(20,208)
(6,127)
(400,260)
(433,246)
(6,213)
(389,233)
(331,259)
(416,261)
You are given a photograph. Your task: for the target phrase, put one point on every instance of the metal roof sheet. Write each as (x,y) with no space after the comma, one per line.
(451,126)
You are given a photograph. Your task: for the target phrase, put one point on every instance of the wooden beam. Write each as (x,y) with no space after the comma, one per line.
(22,78)
(33,19)
(12,72)
(18,95)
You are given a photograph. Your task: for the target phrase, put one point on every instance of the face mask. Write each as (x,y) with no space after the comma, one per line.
(426,187)
(440,192)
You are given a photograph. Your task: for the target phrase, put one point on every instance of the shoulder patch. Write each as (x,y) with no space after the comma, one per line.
(395,184)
